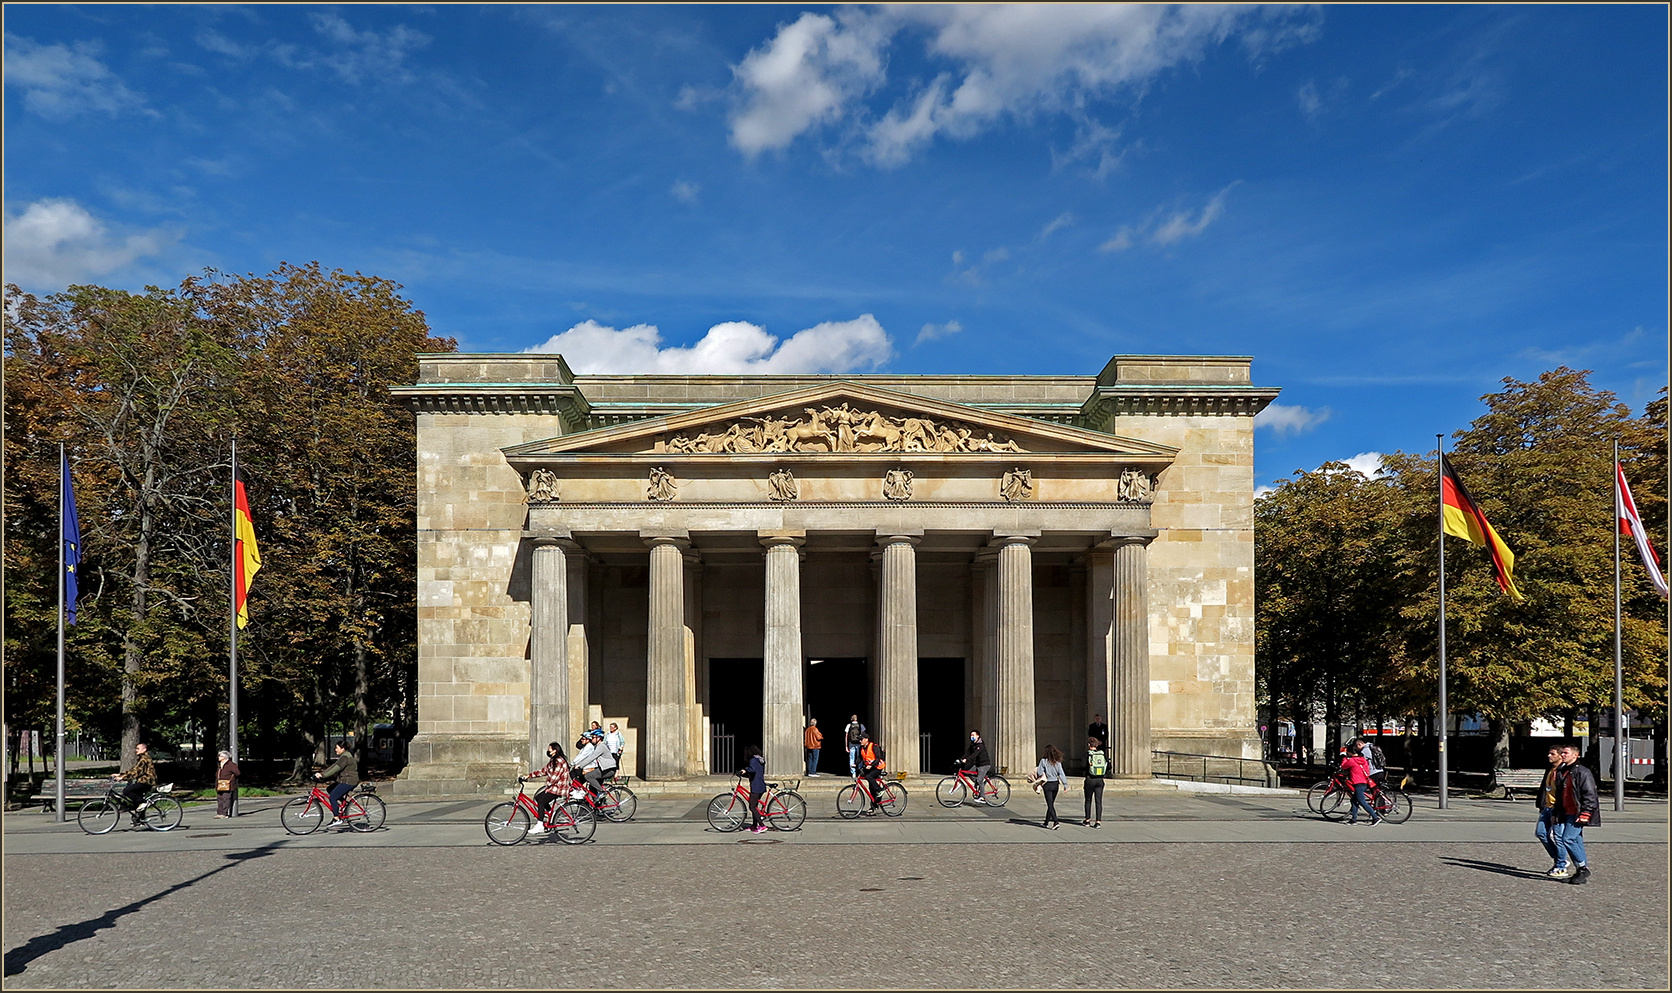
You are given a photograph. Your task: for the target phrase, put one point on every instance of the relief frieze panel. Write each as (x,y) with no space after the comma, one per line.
(836,429)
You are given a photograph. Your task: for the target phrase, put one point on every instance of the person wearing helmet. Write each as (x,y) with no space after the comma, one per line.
(595,761)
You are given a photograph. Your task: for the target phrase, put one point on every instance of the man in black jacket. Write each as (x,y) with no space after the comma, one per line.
(976,757)
(1575,789)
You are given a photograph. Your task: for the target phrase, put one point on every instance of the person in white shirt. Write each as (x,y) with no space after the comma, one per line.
(616,742)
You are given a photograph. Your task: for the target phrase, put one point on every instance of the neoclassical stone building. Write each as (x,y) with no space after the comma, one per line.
(710,560)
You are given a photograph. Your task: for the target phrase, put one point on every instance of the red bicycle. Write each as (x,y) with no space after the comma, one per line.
(960,786)
(780,808)
(858,798)
(572,821)
(615,802)
(362,809)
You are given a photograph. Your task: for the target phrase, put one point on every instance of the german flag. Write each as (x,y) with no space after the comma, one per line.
(1462,518)
(246,557)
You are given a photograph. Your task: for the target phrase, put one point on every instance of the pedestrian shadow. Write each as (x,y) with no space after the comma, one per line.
(1495,867)
(18,959)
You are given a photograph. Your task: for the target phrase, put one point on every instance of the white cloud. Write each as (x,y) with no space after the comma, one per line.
(1121,241)
(1260,491)
(729,348)
(932,332)
(1005,60)
(57,242)
(368,54)
(1181,225)
(1366,464)
(1310,103)
(1061,221)
(685,192)
(60,82)
(1284,419)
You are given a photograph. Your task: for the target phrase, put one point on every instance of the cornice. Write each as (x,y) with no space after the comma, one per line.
(1170,400)
(496,398)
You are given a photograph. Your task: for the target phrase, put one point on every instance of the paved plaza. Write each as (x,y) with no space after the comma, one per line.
(1175,890)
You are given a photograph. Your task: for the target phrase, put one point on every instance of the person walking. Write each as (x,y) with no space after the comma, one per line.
(1548,827)
(755,769)
(1051,779)
(812,739)
(1575,791)
(1358,774)
(851,735)
(226,785)
(1097,767)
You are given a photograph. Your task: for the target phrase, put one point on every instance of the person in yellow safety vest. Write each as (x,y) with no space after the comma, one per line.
(873,762)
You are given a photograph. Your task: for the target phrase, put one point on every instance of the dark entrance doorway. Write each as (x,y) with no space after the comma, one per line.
(734,711)
(837,689)
(940,714)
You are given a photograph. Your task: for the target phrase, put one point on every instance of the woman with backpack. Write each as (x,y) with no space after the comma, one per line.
(1097,767)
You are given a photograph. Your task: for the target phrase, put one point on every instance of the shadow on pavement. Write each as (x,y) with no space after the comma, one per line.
(18,959)
(1497,867)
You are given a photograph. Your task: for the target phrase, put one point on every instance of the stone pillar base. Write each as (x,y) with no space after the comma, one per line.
(448,764)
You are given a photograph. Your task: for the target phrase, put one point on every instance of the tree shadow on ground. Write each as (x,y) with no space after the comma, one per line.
(1497,867)
(18,959)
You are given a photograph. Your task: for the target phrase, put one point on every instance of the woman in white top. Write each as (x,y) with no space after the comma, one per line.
(1050,771)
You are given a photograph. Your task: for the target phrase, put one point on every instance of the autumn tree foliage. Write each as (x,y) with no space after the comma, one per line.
(148,390)
(1347,571)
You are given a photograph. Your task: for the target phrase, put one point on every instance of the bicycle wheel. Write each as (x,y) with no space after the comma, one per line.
(997,792)
(573,822)
(1335,804)
(162,814)
(776,813)
(893,799)
(1398,806)
(852,802)
(302,815)
(950,792)
(363,812)
(619,804)
(507,823)
(727,813)
(98,816)
(1315,796)
(795,809)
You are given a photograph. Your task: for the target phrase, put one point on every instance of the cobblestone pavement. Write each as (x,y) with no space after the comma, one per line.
(1173,891)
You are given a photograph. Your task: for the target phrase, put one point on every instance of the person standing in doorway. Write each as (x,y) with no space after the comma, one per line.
(812,739)
(226,785)
(852,735)
(1575,789)
(1548,829)
(1100,731)
(1097,767)
(1051,779)
(616,742)
(755,769)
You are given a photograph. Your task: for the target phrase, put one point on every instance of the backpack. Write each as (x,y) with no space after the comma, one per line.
(856,731)
(1377,757)
(1097,764)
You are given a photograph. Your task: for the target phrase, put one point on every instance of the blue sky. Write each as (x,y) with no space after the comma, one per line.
(1391,209)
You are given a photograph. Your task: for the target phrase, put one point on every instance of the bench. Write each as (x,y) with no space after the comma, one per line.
(1526,780)
(76,793)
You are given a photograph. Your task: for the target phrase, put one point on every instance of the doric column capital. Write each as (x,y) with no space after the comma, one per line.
(1140,538)
(777,539)
(886,538)
(1015,538)
(679,539)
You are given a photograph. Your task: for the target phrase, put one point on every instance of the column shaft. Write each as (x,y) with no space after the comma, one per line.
(548,637)
(580,653)
(693,651)
(781,696)
(1129,722)
(1100,604)
(1014,730)
(664,718)
(897,717)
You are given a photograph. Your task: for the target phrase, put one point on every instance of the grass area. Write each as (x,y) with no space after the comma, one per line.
(243,791)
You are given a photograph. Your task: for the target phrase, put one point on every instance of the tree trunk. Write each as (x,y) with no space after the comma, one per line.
(132,652)
(362,694)
(1499,730)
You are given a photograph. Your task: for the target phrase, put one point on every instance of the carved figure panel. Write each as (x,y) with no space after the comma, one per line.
(1136,487)
(896,484)
(662,485)
(1017,484)
(542,486)
(780,485)
(837,429)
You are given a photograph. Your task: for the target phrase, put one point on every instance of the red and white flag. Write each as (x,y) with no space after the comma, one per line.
(1625,509)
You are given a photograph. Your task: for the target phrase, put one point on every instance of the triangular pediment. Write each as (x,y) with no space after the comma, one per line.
(843,419)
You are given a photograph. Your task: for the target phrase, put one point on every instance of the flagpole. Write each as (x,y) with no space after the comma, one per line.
(1445,718)
(63,484)
(1622,746)
(232,605)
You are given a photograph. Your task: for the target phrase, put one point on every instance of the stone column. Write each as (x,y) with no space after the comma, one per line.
(693,650)
(579,643)
(664,692)
(897,650)
(548,651)
(1100,604)
(1014,731)
(985,595)
(781,696)
(1129,722)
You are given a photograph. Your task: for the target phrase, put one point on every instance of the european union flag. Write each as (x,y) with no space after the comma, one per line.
(72,543)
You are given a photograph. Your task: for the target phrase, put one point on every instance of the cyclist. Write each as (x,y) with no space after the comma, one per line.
(977,758)
(141,777)
(595,761)
(346,769)
(873,762)
(756,771)
(556,771)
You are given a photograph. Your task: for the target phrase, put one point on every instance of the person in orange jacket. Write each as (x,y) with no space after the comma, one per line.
(813,738)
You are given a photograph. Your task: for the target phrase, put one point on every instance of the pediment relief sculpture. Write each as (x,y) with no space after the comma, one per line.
(542,486)
(662,485)
(1136,487)
(836,429)
(1017,485)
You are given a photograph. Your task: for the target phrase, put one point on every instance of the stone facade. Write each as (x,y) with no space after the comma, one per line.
(682,555)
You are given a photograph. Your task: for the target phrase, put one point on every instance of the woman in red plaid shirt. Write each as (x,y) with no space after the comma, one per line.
(556,771)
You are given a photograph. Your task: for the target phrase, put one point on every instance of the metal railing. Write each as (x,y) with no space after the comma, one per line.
(722,754)
(923,742)
(1212,768)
